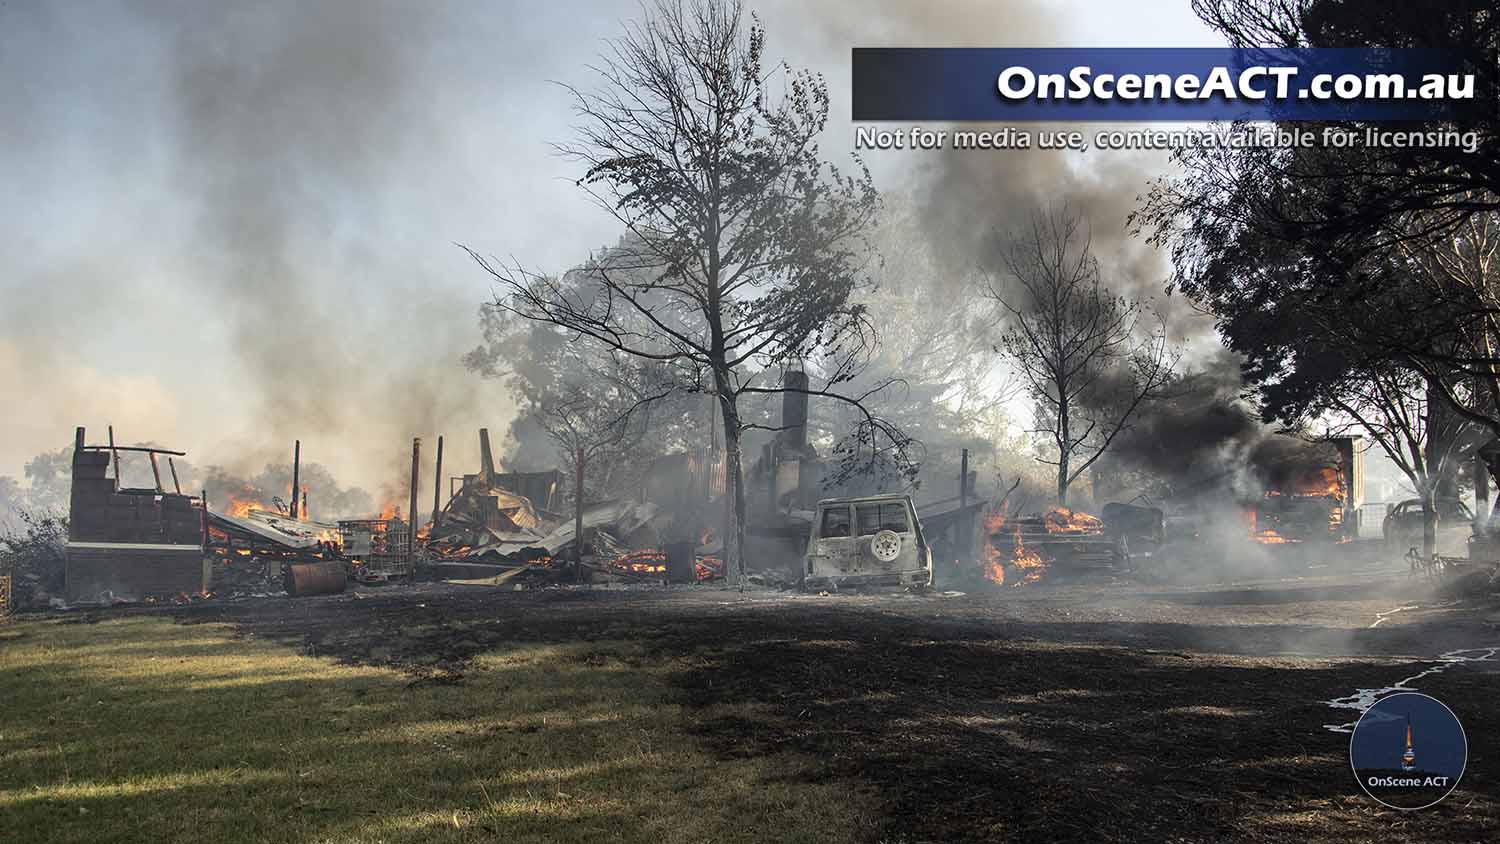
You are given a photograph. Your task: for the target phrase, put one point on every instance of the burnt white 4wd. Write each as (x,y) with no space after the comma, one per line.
(870,541)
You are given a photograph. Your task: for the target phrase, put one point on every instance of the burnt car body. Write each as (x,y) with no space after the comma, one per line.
(868,541)
(1402,526)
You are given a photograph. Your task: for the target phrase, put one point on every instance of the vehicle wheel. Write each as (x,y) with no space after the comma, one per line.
(885,546)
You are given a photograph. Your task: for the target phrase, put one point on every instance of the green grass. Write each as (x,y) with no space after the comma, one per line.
(145,730)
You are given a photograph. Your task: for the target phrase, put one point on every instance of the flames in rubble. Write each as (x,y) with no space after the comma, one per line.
(1024,562)
(1018,551)
(1063,520)
(649,561)
(652,561)
(245,500)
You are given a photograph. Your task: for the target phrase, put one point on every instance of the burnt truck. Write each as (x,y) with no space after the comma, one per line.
(868,541)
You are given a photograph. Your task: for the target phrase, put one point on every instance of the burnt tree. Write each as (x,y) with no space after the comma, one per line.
(742,246)
(1080,348)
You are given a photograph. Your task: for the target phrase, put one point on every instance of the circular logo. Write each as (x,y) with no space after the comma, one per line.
(1408,751)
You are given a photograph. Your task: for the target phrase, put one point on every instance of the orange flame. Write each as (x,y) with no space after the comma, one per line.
(642,562)
(239,507)
(1022,560)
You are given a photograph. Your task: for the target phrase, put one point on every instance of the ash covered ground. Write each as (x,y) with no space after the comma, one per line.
(1099,711)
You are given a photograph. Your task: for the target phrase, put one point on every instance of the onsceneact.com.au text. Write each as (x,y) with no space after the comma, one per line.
(1257,82)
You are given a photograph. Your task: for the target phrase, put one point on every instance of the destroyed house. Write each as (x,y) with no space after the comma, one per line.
(130,544)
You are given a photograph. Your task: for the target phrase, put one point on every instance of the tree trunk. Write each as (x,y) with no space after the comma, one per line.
(1481,495)
(1429,518)
(578,516)
(1432,480)
(1064,446)
(734,485)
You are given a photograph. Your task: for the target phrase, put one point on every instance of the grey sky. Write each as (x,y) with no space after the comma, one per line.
(231,225)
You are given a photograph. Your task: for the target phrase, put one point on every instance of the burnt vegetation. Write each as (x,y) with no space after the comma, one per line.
(1151,583)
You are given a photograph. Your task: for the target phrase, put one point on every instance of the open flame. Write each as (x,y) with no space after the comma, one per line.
(243,501)
(1023,561)
(1321,487)
(1063,520)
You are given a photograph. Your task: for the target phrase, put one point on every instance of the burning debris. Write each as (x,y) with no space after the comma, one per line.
(1309,507)
(1021,550)
(490,524)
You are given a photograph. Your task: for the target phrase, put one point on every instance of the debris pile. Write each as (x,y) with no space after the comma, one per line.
(250,549)
(1021,550)
(487,524)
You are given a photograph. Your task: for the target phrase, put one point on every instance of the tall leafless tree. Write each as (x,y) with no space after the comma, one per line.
(742,247)
(1089,362)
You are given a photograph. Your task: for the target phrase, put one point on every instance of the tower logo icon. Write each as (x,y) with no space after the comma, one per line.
(1383,751)
(1409,758)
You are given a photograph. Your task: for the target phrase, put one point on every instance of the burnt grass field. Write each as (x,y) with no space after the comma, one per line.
(1109,711)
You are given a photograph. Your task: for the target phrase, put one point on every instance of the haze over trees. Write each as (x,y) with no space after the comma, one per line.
(1357,284)
(1087,359)
(742,247)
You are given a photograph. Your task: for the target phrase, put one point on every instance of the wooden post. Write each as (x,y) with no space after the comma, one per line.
(114,454)
(437,486)
(156,471)
(291,506)
(578,515)
(963,479)
(78,439)
(176,484)
(416,466)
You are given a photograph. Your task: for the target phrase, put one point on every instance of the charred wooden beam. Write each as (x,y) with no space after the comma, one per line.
(416,466)
(114,452)
(296,486)
(437,486)
(111,447)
